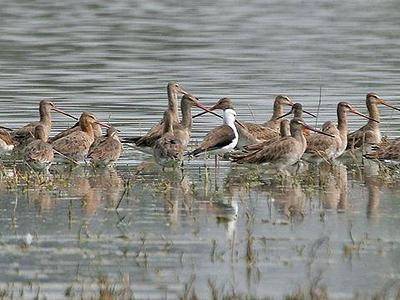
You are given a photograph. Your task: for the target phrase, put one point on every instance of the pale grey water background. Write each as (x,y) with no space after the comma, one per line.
(115,58)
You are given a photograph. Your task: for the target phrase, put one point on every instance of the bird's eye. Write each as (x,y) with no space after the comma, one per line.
(176,85)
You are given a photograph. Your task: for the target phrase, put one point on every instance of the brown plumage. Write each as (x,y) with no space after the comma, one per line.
(155,132)
(6,142)
(260,132)
(283,152)
(369,133)
(76,145)
(322,146)
(274,122)
(168,151)
(26,134)
(183,130)
(264,131)
(284,132)
(38,153)
(297,111)
(96,130)
(389,150)
(106,150)
(285,128)
(333,148)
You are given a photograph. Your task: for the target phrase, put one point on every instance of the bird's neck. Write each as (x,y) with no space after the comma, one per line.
(168,125)
(86,126)
(229,119)
(373,113)
(173,104)
(41,136)
(45,116)
(298,113)
(278,110)
(298,135)
(186,115)
(342,124)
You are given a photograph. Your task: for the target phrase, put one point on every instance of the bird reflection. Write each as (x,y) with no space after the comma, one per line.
(222,202)
(289,199)
(79,186)
(92,187)
(373,200)
(333,183)
(108,184)
(42,199)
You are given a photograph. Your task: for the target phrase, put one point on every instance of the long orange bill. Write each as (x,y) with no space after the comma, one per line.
(362,115)
(318,131)
(64,113)
(391,106)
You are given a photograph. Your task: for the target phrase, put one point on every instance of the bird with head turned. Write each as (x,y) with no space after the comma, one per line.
(76,145)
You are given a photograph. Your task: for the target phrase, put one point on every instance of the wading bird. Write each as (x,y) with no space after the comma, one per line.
(155,132)
(282,153)
(76,145)
(38,153)
(369,133)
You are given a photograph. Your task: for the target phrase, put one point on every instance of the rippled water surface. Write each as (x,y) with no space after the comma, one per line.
(243,232)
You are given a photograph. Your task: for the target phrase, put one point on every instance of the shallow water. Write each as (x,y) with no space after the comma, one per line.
(248,232)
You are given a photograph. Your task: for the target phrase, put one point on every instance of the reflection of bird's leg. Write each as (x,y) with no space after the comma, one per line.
(298,167)
(215,164)
(182,170)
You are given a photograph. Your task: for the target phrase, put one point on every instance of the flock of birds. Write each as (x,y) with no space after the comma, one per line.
(279,142)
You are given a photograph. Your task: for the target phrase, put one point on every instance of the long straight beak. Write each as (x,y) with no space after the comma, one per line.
(64,113)
(206,110)
(318,131)
(6,128)
(103,124)
(308,113)
(240,123)
(182,91)
(285,115)
(362,115)
(391,106)
(199,114)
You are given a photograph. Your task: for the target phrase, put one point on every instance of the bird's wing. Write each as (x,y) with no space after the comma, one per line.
(72,144)
(65,133)
(217,138)
(106,149)
(39,151)
(319,144)
(260,132)
(6,137)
